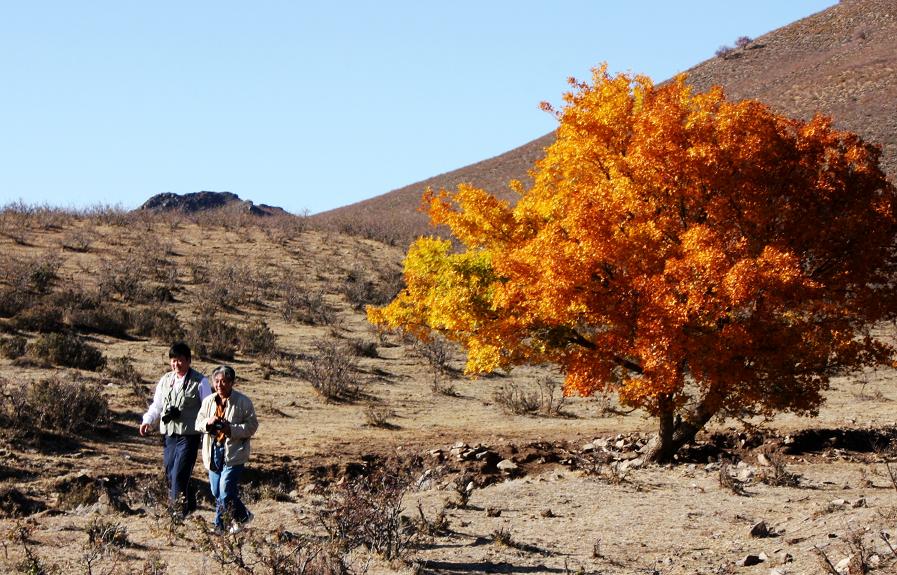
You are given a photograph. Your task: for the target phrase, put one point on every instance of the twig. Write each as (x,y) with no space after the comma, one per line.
(828,563)
(884,537)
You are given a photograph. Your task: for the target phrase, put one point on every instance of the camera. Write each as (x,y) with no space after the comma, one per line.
(215,427)
(171,414)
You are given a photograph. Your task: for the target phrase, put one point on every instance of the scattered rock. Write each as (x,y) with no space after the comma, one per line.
(749,561)
(507,466)
(760,530)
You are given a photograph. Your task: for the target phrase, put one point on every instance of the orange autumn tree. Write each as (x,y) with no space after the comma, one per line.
(695,255)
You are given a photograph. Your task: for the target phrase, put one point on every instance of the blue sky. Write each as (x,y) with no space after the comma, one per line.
(311,106)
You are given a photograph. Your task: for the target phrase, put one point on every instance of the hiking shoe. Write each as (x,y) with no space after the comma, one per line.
(237,527)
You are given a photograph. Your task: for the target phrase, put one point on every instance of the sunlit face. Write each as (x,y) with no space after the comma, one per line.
(222,386)
(180,364)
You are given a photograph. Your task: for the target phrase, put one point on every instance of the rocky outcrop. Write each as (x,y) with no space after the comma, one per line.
(207,201)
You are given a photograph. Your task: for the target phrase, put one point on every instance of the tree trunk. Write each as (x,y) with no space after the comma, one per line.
(674,432)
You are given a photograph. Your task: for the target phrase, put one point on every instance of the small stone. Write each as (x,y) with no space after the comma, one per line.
(749,561)
(763,460)
(506,466)
(838,502)
(760,530)
(861,502)
(843,564)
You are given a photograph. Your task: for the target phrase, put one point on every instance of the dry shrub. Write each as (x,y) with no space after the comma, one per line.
(78,240)
(33,275)
(108,319)
(235,284)
(367,511)
(729,481)
(333,371)
(514,399)
(102,532)
(42,317)
(109,215)
(157,323)
(437,351)
(378,415)
(776,473)
(125,279)
(360,290)
(547,399)
(362,348)
(13,347)
(212,337)
(279,552)
(257,339)
(306,306)
(280,229)
(65,349)
(64,404)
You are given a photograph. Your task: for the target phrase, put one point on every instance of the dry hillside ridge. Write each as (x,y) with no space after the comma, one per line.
(839,62)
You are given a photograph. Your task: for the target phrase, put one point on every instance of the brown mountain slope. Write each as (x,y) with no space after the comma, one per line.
(839,62)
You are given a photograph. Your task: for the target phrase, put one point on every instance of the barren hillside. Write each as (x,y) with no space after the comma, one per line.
(374,454)
(840,62)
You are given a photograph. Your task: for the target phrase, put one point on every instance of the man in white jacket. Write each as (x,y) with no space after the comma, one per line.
(227,419)
(176,402)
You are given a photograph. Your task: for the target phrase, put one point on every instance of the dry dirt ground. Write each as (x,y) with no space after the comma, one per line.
(572,504)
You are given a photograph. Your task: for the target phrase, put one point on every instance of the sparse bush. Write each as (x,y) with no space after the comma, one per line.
(742,41)
(547,399)
(70,406)
(212,337)
(121,370)
(367,511)
(66,349)
(13,347)
(514,399)
(42,317)
(157,323)
(101,532)
(306,306)
(333,371)
(257,339)
(723,51)
(362,348)
(123,278)
(108,319)
(78,240)
(361,291)
(777,474)
(437,351)
(34,275)
(377,415)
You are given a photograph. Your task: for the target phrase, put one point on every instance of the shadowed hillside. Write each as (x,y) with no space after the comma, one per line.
(840,62)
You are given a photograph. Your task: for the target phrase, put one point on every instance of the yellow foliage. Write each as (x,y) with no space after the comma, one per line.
(673,243)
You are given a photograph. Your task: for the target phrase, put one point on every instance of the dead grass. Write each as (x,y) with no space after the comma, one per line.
(305,445)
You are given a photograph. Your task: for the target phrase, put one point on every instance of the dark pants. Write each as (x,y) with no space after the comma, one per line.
(178,459)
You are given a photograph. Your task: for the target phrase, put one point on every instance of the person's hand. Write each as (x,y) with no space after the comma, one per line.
(210,422)
(225,427)
(145,428)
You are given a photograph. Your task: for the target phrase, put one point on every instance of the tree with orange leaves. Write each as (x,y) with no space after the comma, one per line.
(696,255)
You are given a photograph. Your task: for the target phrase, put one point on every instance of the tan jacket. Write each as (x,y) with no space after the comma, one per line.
(240,413)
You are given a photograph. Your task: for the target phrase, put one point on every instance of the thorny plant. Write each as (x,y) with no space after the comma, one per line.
(367,512)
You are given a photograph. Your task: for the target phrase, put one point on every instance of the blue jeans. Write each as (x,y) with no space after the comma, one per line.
(178,458)
(224,481)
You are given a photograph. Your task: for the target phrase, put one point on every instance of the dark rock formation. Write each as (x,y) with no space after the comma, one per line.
(206,201)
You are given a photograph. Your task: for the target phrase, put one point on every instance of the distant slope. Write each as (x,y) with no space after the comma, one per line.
(841,62)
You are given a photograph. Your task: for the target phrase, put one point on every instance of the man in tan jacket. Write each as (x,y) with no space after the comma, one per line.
(227,419)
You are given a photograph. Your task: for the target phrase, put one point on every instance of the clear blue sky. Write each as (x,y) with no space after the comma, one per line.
(311,106)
